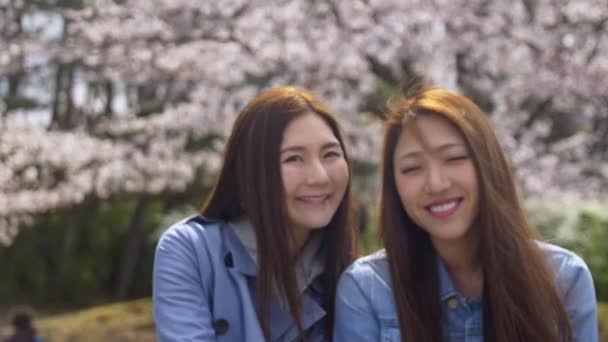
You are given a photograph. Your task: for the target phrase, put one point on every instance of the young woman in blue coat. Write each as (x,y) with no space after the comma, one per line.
(262,261)
(460,261)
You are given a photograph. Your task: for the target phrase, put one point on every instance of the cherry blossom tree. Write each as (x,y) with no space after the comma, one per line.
(135,97)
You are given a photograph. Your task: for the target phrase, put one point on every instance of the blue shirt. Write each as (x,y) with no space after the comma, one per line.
(204,289)
(366,311)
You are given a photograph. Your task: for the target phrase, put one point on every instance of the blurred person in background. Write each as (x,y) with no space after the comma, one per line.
(262,261)
(24,330)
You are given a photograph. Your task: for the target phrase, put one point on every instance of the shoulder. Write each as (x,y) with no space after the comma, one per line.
(575,286)
(192,231)
(193,241)
(188,252)
(365,290)
(368,269)
(562,259)
(368,264)
(569,268)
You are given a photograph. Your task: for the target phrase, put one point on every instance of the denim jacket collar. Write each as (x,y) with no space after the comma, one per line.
(447,289)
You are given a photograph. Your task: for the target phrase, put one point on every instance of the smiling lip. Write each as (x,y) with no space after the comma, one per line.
(444,208)
(313,199)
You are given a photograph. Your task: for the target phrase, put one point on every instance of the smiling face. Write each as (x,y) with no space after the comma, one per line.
(314,172)
(436,178)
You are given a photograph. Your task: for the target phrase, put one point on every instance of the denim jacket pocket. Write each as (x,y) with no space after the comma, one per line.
(389,330)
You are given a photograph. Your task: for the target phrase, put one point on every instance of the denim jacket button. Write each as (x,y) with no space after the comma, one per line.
(452,303)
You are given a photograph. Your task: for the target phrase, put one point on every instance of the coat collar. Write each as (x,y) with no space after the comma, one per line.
(310,263)
(241,244)
(241,260)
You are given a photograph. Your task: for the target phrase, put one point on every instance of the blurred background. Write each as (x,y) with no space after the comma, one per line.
(113,115)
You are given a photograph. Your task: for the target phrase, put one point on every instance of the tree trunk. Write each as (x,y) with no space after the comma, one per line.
(14,81)
(46,250)
(56,108)
(131,251)
(109,87)
(63,103)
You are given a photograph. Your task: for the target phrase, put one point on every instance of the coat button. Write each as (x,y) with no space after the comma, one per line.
(220,326)
(228,260)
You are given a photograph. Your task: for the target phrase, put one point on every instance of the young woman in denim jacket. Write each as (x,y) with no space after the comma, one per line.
(262,261)
(460,262)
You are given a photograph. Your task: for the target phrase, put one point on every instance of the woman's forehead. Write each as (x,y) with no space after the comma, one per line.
(309,128)
(429,132)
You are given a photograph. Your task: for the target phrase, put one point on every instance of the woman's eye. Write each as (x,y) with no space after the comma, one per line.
(458,158)
(333,154)
(409,169)
(292,159)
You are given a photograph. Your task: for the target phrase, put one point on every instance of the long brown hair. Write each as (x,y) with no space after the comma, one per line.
(520,297)
(250,184)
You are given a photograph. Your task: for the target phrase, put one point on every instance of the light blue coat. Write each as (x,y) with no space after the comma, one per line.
(204,289)
(365,306)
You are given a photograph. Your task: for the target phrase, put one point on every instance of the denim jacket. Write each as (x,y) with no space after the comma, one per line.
(204,289)
(366,311)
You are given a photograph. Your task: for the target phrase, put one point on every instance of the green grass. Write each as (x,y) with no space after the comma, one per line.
(120,322)
(603,316)
(132,321)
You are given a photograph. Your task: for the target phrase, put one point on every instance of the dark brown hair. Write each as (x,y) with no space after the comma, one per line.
(24,330)
(250,184)
(520,298)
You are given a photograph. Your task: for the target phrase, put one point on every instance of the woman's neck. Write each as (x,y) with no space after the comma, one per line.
(462,260)
(298,240)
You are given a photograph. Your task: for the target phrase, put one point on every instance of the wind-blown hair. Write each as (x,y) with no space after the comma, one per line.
(250,184)
(520,297)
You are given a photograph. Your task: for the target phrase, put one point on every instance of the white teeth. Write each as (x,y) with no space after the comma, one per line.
(313,199)
(443,207)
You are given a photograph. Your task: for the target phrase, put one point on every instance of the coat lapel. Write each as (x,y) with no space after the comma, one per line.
(283,327)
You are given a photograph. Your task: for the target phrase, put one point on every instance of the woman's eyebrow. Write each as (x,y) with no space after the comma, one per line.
(416,152)
(292,149)
(300,148)
(331,145)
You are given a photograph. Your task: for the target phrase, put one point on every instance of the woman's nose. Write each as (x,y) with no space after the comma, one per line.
(437,180)
(317,173)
